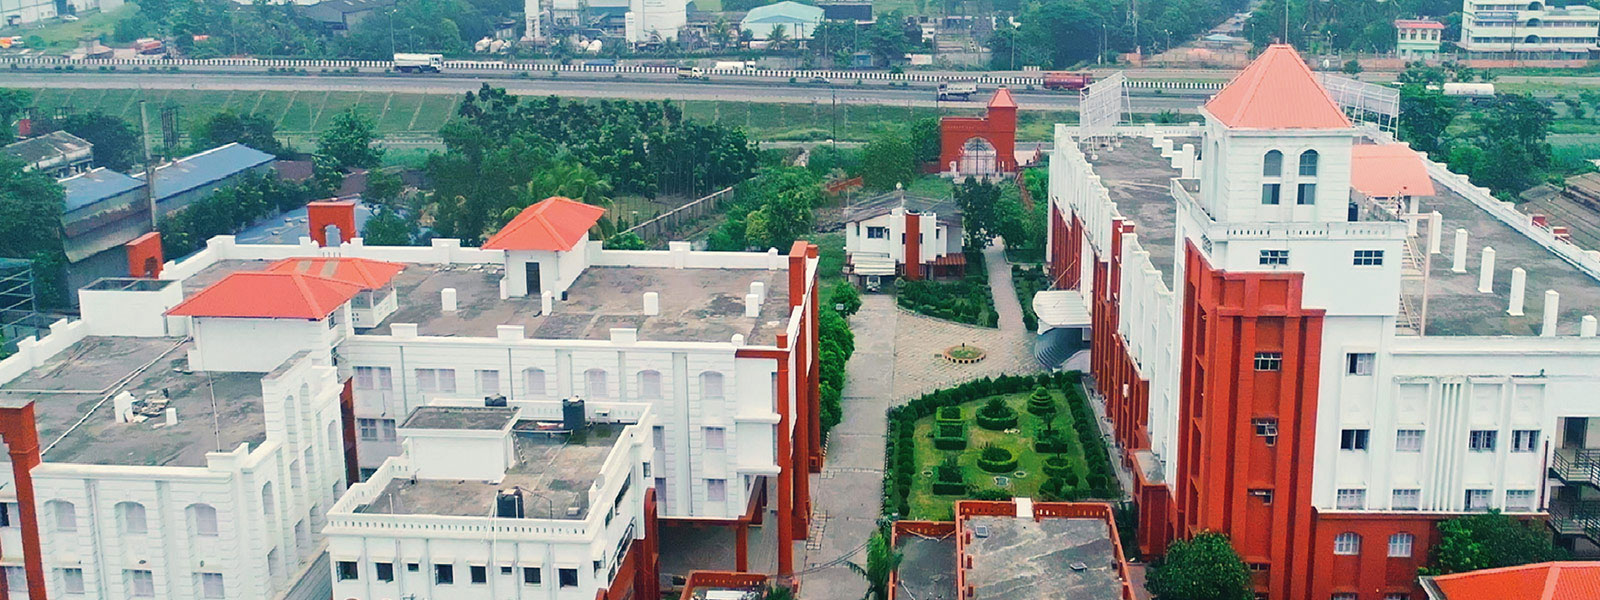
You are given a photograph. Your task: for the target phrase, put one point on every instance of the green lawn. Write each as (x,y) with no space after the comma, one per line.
(830,258)
(62,36)
(926,505)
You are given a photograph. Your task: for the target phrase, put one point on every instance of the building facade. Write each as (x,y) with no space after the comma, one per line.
(1497,29)
(1418,39)
(906,236)
(1323,381)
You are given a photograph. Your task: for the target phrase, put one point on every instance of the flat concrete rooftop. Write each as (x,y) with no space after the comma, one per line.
(1139,180)
(927,568)
(459,417)
(553,471)
(1454,305)
(1023,559)
(216,411)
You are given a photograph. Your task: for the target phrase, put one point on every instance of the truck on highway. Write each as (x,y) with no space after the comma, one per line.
(1474,90)
(1056,80)
(418,63)
(148,46)
(734,65)
(691,73)
(958,88)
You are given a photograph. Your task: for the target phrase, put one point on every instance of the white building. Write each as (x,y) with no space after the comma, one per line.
(881,232)
(1325,375)
(1501,29)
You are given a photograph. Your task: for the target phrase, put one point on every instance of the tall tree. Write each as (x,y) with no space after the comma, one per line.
(982,216)
(1424,116)
(925,138)
(226,127)
(348,141)
(116,143)
(1205,567)
(888,160)
(388,228)
(30,227)
(12,103)
(1487,541)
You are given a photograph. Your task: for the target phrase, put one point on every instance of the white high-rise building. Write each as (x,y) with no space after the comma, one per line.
(1501,29)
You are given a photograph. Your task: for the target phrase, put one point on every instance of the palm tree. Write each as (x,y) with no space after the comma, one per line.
(568,178)
(722,32)
(882,559)
(777,37)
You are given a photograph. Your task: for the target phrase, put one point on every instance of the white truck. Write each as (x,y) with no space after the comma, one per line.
(734,65)
(691,73)
(418,63)
(1475,90)
(961,88)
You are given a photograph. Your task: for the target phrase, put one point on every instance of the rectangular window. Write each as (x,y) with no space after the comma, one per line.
(141,583)
(479,573)
(441,381)
(1524,440)
(1408,440)
(368,429)
(1274,258)
(569,577)
(488,382)
(1347,544)
(72,581)
(1481,440)
(1369,258)
(1264,495)
(1406,499)
(374,378)
(383,571)
(1478,499)
(1351,499)
(1519,501)
(1269,361)
(596,383)
(1265,426)
(1307,194)
(1359,363)
(444,574)
(1400,545)
(348,570)
(1353,439)
(714,438)
(533,381)
(531,575)
(211,585)
(1270,193)
(716,490)
(877,233)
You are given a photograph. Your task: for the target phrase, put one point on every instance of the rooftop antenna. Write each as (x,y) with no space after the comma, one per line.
(1285,21)
(211,390)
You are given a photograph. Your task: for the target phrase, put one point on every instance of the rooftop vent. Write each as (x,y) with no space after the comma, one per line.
(981,531)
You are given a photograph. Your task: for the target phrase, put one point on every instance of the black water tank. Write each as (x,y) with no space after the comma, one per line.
(1354,212)
(508,504)
(572,415)
(494,401)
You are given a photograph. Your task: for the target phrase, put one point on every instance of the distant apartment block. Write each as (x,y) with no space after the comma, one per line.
(1418,39)
(1497,29)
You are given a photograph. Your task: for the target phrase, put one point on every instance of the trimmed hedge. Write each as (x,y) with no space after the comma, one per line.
(949,435)
(1041,404)
(1058,466)
(996,459)
(949,413)
(996,416)
(968,300)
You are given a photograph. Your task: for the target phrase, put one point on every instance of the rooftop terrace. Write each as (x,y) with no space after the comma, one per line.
(553,471)
(1139,180)
(927,568)
(216,411)
(459,417)
(1023,559)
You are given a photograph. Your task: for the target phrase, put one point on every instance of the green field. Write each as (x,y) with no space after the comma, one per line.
(61,36)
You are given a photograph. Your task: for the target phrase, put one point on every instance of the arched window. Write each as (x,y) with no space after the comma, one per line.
(333,437)
(650,385)
(1272,164)
(1347,543)
(131,519)
(269,505)
(202,520)
(1400,545)
(1308,163)
(594,384)
(533,382)
(66,515)
(711,385)
(294,475)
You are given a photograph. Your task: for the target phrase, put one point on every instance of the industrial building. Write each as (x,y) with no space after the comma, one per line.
(1320,351)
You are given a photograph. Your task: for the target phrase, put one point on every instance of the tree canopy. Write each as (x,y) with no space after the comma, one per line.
(1487,541)
(888,160)
(226,127)
(1205,567)
(116,143)
(347,142)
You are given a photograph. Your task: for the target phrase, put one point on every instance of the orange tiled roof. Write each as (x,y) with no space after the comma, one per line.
(555,224)
(1002,99)
(1418,24)
(1543,581)
(367,273)
(269,295)
(1388,171)
(1277,91)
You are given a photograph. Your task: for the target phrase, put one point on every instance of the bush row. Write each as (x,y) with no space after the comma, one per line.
(965,301)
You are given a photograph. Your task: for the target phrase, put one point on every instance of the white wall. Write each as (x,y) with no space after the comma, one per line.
(228,344)
(459,454)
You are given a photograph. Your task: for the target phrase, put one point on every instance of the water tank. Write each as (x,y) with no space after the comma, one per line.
(508,504)
(498,401)
(572,414)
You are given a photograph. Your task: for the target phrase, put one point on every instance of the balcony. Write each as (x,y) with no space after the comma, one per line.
(1577,465)
(1580,517)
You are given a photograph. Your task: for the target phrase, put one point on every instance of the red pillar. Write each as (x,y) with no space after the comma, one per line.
(913,246)
(144,255)
(741,548)
(785,469)
(21,437)
(647,575)
(339,213)
(816,377)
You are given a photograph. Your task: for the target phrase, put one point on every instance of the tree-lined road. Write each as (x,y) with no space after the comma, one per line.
(572,85)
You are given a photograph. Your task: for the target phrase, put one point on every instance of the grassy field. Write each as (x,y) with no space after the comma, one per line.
(926,505)
(830,257)
(62,36)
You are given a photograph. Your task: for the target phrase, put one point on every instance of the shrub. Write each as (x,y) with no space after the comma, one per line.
(997,459)
(948,479)
(991,495)
(1056,466)
(950,436)
(1096,482)
(997,416)
(845,298)
(1041,403)
(1057,490)
(949,413)
(1049,441)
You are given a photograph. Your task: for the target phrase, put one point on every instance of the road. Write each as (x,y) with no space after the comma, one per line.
(575,86)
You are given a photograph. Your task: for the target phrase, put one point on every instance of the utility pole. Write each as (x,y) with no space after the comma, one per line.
(149,164)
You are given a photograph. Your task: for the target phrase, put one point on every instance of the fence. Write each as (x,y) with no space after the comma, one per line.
(668,222)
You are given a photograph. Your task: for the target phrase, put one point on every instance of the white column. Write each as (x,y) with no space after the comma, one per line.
(447,299)
(1588,326)
(1486,271)
(1519,283)
(1552,309)
(1458,263)
(1435,231)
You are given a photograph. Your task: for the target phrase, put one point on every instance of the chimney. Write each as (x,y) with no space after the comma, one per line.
(1552,310)
(652,303)
(1519,284)
(1435,231)
(1458,262)
(447,299)
(1486,271)
(1588,326)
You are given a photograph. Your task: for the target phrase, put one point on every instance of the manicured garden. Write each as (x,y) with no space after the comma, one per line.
(966,300)
(1012,436)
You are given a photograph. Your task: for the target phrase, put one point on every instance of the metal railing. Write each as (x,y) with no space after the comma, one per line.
(1576,518)
(1580,465)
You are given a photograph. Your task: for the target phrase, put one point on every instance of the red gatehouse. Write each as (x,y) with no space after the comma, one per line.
(981,145)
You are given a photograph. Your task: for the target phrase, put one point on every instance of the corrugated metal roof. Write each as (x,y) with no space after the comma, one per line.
(784,11)
(207,167)
(99,184)
(55,143)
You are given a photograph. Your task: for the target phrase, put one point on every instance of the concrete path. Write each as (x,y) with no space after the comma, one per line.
(1005,293)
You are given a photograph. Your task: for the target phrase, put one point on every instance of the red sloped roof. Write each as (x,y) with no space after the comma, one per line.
(269,295)
(1543,581)
(1388,171)
(1418,23)
(369,274)
(1277,91)
(555,224)
(1002,99)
